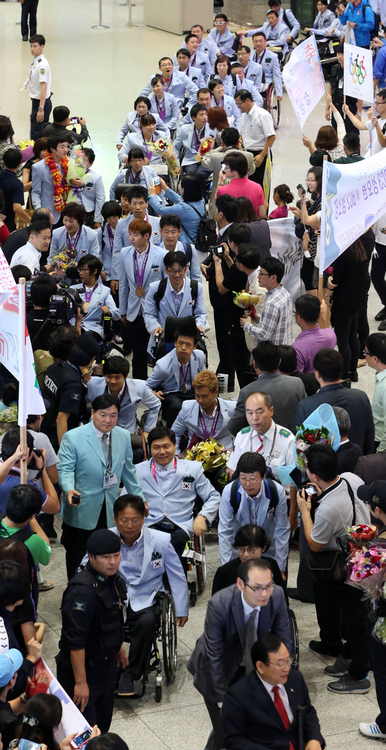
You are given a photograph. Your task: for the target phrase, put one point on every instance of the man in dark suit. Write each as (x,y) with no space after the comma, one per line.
(348,452)
(328,366)
(262,711)
(288,366)
(285,392)
(373,467)
(235,618)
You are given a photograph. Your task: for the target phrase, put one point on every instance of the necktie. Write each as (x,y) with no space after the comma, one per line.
(261,446)
(105,447)
(280,707)
(250,638)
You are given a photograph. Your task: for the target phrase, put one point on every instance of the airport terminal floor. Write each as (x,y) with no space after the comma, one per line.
(98,74)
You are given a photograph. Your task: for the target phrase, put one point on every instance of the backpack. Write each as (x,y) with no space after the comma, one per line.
(188,252)
(160,293)
(270,491)
(207,232)
(377,18)
(22,535)
(287,21)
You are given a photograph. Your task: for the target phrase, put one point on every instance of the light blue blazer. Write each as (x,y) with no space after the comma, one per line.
(135,140)
(193,270)
(132,123)
(42,191)
(87,242)
(121,239)
(93,194)
(146,176)
(179,86)
(184,138)
(275,525)
(254,72)
(105,253)
(137,393)
(277,36)
(189,481)
(189,418)
(231,109)
(129,303)
(155,318)
(195,75)
(159,557)
(82,467)
(172,110)
(271,69)
(92,321)
(202,62)
(224,42)
(166,372)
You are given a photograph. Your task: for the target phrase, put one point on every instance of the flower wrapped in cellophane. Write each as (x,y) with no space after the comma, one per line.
(366,569)
(212,455)
(63,261)
(165,149)
(206,145)
(26,147)
(76,169)
(247,302)
(360,534)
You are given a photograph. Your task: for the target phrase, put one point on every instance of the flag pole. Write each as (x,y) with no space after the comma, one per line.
(322,229)
(22,414)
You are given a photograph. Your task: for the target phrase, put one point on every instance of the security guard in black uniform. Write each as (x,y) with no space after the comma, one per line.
(65,391)
(92,630)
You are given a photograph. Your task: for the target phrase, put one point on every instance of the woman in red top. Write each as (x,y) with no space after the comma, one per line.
(281,196)
(4,231)
(236,170)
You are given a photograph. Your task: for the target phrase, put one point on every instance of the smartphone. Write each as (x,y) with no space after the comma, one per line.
(76,501)
(216,249)
(74,120)
(157,185)
(28,745)
(310,490)
(300,480)
(223,168)
(81,739)
(300,187)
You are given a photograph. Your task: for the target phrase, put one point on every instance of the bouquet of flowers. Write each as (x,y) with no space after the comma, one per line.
(165,149)
(212,455)
(247,302)
(206,146)
(306,437)
(76,168)
(360,534)
(63,260)
(366,569)
(26,148)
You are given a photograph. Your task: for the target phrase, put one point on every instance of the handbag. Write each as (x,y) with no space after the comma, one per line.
(334,561)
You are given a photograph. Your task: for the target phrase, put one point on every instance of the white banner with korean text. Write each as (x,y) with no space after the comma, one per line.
(303,79)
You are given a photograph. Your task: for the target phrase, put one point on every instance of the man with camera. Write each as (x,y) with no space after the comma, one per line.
(39,323)
(60,127)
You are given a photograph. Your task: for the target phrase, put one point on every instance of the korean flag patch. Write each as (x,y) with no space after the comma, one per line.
(186,485)
(157,564)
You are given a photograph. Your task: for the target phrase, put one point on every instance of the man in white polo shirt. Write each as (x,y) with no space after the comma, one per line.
(257,131)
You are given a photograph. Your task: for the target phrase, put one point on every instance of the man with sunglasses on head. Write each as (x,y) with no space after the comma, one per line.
(236,617)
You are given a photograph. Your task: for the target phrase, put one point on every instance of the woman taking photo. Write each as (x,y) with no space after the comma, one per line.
(260,234)
(306,233)
(41,718)
(189,205)
(39,149)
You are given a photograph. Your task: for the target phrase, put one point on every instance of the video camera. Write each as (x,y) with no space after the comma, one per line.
(64,305)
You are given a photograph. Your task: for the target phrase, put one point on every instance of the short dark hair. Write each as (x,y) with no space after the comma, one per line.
(190,36)
(37,39)
(6,129)
(308,308)
(175,256)
(245,567)
(14,584)
(93,263)
(382,94)
(60,113)
(250,462)
(275,13)
(104,401)
(89,153)
(318,157)
(259,33)
(245,47)
(183,51)
(192,186)
(144,99)
(189,330)
(376,345)
(239,234)
(112,208)
(147,119)
(23,502)
(266,356)
(221,15)
(138,191)
(164,58)
(75,211)
(129,501)
(21,272)
(38,226)
(352,141)
(251,535)
(261,649)
(42,290)
(274,267)
(157,79)
(199,26)
(237,163)
(203,90)
(343,421)
(243,95)
(230,136)
(248,255)
(116,366)
(11,440)
(108,741)
(329,364)
(158,433)
(170,220)
(61,341)
(288,359)
(196,109)
(12,158)
(322,460)
(228,206)
(54,140)
(41,213)
(39,145)
(214,82)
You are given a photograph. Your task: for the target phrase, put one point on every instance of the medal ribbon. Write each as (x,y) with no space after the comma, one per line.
(139,275)
(182,376)
(88,294)
(72,242)
(111,237)
(161,108)
(134,178)
(196,138)
(153,469)
(214,425)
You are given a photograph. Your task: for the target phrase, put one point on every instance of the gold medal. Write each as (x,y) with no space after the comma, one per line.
(85,306)
(140,291)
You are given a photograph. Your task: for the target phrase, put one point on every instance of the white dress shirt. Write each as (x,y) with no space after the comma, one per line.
(256,126)
(248,611)
(165,475)
(100,435)
(27,255)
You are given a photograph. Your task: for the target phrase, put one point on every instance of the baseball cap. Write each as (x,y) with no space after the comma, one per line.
(374,494)
(10,662)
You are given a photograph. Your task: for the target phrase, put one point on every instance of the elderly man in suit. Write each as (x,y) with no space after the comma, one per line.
(92,461)
(230,143)
(173,374)
(171,486)
(236,617)
(264,710)
(146,554)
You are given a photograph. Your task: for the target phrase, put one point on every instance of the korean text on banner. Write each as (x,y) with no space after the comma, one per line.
(303,78)
(353,198)
(358,72)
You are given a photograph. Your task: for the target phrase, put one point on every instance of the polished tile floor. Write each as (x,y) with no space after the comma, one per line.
(98,74)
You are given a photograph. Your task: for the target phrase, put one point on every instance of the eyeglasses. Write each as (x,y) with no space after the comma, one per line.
(281,664)
(260,273)
(260,589)
(127,521)
(247,550)
(367,354)
(176,273)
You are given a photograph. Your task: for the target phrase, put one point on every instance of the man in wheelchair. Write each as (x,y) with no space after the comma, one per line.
(270,64)
(146,555)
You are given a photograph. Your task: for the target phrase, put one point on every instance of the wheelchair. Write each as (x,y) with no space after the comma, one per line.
(166,634)
(271,104)
(195,555)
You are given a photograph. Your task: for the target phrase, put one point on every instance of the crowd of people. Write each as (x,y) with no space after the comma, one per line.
(117,314)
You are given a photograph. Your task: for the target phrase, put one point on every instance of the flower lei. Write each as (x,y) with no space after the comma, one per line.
(60,190)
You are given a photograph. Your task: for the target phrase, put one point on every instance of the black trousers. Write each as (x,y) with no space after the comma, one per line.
(142,628)
(223,342)
(350,128)
(345,323)
(378,272)
(378,662)
(75,542)
(240,353)
(214,741)
(29,8)
(258,175)
(340,609)
(138,338)
(37,127)
(101,684)
(178,537)
(171,405)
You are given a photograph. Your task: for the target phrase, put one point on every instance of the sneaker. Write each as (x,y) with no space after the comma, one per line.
(46,585)
(339,668)
(372,731)
(125,687)
(347,686)
(320,648)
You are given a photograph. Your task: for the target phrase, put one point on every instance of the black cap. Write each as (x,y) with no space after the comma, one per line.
(87,343)
(103,542)
(374,494)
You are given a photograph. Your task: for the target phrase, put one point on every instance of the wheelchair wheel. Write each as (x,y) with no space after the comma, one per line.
(199,547)
(273,106)
(294,638)
(169,636)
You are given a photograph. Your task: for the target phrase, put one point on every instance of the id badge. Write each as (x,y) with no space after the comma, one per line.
(340,84)
(109,480)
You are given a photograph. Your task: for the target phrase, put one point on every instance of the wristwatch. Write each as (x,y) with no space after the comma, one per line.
(41,109)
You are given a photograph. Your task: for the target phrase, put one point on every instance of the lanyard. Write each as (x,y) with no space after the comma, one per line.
(259,449)
(160,107)
(148,153)
(153,469)
(261,58)
(214,424)
(139,275)
(196,138)
(111,237)
(71,244)
(134,179)
(167,84)
(193,62)
(182,376)
(88,294)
